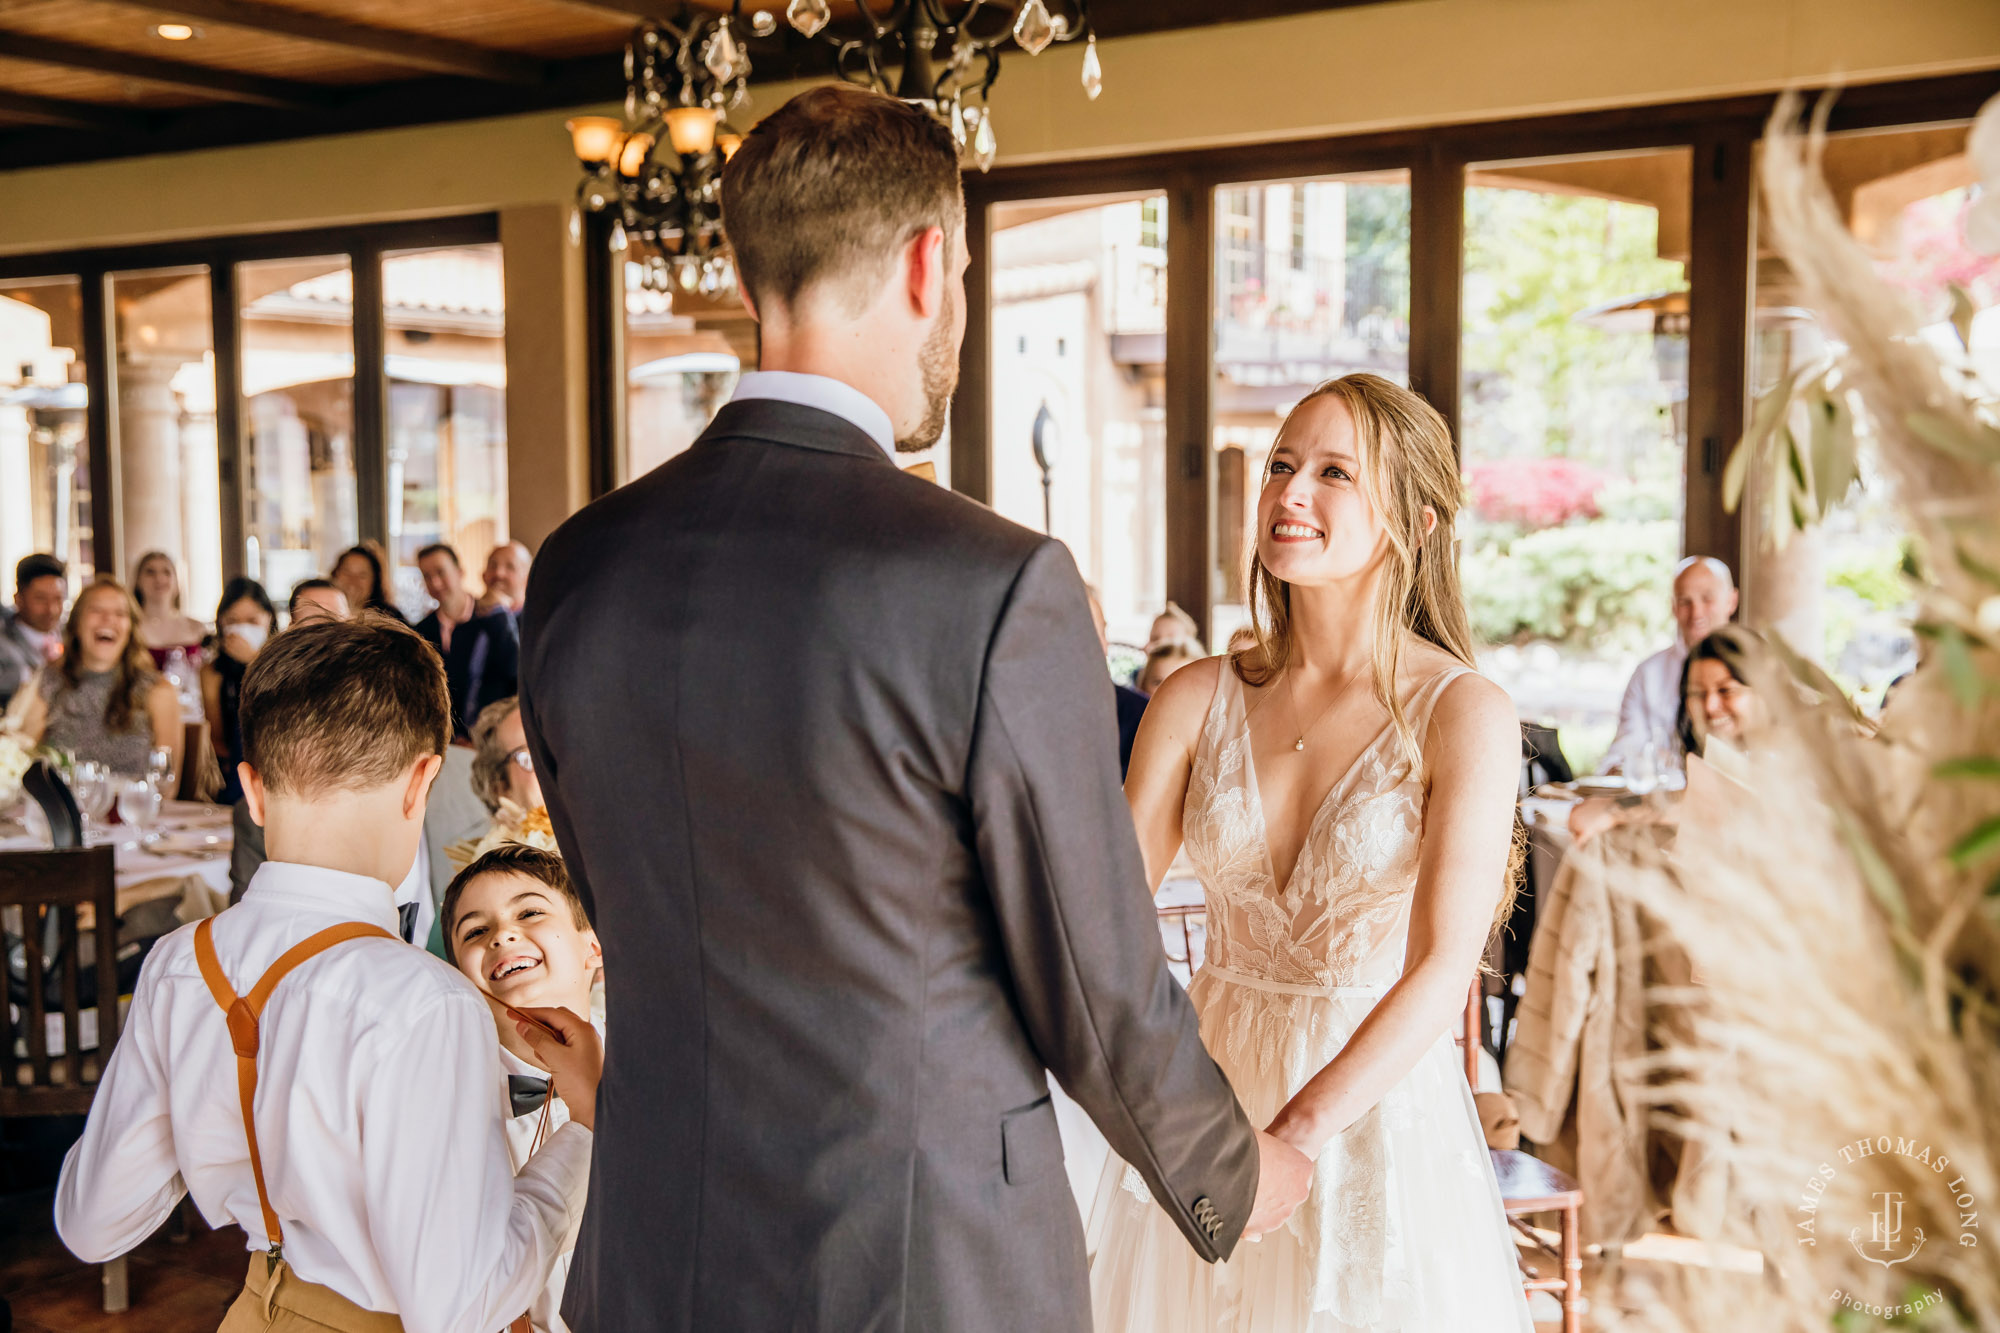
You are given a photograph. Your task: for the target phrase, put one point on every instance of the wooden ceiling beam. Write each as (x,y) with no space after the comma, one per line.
(202,79)
(70,115)
(634,10)
(419,50)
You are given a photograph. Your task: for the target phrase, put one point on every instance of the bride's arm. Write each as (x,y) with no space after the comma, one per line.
(1474,746)
(1156,782)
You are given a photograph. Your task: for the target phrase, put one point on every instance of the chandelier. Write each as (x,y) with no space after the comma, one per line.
(657,172)
(949,54)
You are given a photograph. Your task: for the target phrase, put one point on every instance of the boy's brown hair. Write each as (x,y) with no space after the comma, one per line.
(343,705)
(510,858)
(831,184)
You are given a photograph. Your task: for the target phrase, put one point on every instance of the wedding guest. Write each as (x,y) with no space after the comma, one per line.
(358,574)
(1130,703)
(481,650)
(244,619)
(503,778)
(31,632)
(163,626)
(1720,711)
(1163,661)
(1704,600)
(103,700)
(399,1206)
(316,599)
(505,578)
(1173,625)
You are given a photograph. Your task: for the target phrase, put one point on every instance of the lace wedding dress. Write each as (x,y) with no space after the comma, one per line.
(1403,1230)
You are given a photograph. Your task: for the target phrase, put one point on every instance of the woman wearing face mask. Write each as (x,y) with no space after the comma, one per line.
(1721,715)
(243,621)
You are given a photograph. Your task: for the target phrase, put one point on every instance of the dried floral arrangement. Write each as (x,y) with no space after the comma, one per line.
(1839,1059)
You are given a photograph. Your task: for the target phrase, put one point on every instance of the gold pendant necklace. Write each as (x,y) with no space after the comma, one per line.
(1292,694)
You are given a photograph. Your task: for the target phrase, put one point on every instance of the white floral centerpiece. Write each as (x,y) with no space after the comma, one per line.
(17,755)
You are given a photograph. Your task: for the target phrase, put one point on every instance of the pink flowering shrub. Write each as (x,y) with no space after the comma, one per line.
(1534,492)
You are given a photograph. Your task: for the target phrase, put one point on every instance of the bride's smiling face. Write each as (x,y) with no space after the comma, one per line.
(1316,523)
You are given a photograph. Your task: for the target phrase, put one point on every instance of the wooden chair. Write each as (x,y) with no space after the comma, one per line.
(1529,1185)
(44,900)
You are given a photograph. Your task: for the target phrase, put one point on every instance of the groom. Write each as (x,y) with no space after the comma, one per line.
(830,751)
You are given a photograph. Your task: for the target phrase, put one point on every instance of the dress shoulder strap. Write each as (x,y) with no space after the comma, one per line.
(243,1011)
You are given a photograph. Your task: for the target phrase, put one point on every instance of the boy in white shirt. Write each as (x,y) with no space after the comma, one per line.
(310,1077)
(513,924)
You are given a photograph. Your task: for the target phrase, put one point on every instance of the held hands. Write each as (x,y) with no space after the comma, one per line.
(1284,1174)
(569,1048)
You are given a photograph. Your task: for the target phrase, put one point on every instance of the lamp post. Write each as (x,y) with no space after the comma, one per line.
(1048,446)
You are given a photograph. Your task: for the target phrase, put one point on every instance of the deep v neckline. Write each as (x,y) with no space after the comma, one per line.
(1334,788)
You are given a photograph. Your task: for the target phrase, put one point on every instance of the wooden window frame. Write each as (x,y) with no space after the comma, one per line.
(363,245)
(1722,133)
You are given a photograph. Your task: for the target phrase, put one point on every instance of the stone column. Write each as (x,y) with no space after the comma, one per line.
(149,459)
(200,556)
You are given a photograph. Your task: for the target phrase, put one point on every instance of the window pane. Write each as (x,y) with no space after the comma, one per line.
(298,389)
(1312,282)
(44,450)
(168,479)
(447,369)
(1573,426)
(683,352)
(1079,293)
(1838,593)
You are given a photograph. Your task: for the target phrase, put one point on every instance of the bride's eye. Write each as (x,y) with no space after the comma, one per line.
(1337,472)
(1279,467)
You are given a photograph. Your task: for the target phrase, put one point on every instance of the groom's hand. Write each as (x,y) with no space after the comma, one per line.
(1284,1174)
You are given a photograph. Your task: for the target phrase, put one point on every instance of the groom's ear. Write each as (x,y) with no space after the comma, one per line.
(749,302)
(923,271)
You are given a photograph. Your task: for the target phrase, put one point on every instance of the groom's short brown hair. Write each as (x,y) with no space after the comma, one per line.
(831,184)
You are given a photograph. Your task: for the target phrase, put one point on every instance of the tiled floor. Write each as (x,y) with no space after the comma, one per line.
(179,1287)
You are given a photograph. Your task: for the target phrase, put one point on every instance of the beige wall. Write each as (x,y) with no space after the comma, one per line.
(1407,63)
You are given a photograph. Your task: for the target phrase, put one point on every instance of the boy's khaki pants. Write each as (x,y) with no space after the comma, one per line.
(281,1300)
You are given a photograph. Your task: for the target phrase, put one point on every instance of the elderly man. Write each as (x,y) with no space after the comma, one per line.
(1704,600)
(505,578)
(31,634)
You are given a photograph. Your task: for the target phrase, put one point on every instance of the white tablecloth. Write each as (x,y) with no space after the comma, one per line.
(191,856)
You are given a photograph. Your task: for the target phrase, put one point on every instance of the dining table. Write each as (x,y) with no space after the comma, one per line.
(181,861)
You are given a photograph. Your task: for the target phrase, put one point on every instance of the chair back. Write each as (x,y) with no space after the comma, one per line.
(50,792)
(59,926)
(1542,757)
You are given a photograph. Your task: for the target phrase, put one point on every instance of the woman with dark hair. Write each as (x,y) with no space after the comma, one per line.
(244,621)
(1719,709)
(358,573)
(104,700)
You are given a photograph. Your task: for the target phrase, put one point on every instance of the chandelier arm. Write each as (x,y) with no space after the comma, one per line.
(888,24)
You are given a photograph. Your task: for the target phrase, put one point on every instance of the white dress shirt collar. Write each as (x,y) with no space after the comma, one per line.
(825,393)
(351,897)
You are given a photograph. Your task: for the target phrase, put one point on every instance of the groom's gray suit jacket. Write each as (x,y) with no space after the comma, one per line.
(832,755)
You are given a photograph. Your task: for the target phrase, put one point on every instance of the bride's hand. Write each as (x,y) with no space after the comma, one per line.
(1284,1174)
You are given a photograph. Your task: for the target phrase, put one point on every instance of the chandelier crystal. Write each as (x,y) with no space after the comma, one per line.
(946,54)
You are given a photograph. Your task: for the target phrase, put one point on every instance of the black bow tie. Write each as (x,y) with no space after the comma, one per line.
(526,1093)
(406,917)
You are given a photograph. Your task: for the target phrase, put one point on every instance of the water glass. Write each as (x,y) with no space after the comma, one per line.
(159,767)
(1642,775)
(91,784)
(139,806)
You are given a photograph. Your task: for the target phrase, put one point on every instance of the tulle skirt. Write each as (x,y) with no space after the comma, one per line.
(1402,1232)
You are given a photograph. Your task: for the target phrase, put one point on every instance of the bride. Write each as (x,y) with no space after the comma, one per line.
(1345,791)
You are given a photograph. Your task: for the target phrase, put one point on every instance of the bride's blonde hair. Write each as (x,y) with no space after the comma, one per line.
(1407,463)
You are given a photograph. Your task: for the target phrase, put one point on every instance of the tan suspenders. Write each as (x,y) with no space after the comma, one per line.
(243,1012)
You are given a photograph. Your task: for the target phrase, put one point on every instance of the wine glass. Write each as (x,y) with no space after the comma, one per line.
(1642,775)
(139,806)
(90,783)
(159,769)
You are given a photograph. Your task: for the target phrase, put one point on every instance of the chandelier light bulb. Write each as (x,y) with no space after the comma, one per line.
(808,16)
(1033,28)
(632,155)
(728,141)
(595,138)
(617,236)
(1093,73)
(691,129)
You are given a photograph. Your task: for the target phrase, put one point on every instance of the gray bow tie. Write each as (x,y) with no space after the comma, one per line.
(526,1093)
